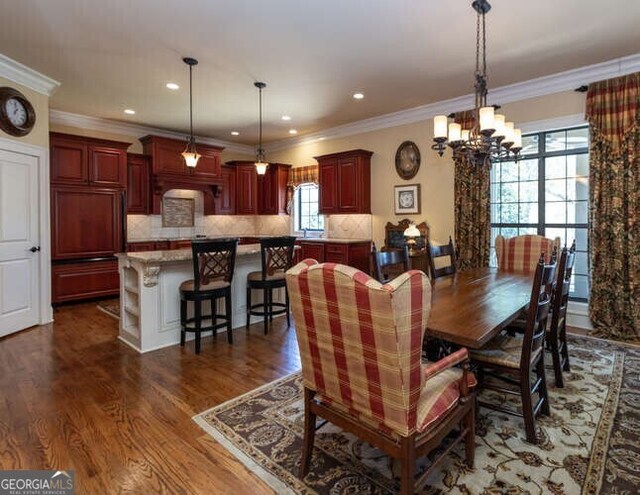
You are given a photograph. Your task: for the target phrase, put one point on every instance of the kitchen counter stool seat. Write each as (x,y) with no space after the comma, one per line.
(277,257)
(213,266)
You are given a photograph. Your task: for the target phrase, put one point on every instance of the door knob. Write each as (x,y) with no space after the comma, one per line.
(34,249)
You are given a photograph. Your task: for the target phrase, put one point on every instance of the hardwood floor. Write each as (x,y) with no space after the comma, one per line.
(74,397)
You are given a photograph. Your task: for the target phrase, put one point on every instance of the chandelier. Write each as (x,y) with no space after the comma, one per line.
(261,164)
(491,138)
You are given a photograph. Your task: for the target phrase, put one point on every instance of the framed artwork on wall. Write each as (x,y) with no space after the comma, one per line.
(407,199)
(407,160)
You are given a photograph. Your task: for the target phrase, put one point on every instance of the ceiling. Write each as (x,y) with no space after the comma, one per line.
(313,55)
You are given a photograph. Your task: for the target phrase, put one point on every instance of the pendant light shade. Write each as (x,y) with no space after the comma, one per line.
(261,164)
(190,154)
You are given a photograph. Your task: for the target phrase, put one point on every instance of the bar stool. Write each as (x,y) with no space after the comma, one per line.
(277,256)
(213,265)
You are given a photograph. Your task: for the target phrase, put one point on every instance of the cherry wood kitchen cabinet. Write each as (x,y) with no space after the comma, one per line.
(225,201)
(355,254)
(345,182)
(88,181)
(260,194)
(138,184)
(167,160)
(86,222)
(79,160)
(272,189)
(82,280)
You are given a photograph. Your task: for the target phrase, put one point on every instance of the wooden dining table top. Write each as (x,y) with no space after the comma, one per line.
(473,306)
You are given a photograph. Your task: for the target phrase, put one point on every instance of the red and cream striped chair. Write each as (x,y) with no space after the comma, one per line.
(521,254)
(360,346)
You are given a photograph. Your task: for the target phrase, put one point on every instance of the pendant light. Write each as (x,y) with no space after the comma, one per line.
(261,164)
(190,153)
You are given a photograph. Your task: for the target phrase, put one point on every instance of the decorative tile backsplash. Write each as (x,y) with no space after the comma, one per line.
(143,227)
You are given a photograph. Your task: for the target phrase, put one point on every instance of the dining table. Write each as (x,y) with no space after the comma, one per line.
(472,306)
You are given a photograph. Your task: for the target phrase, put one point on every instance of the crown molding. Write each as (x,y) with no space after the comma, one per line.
(135,130)
(541,86)
(21,74)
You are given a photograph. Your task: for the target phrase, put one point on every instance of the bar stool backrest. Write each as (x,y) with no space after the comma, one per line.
(277,255)
(213,260)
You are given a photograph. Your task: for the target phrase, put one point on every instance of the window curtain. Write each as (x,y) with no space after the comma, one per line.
(297,176)
(472,206)
(613,112)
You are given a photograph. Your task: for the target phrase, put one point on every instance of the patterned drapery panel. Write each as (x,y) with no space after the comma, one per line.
(297,176)
(613,112)
(472,213)
(472,206)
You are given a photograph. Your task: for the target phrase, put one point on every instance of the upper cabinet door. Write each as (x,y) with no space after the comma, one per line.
(68,161)
(225,202)
(328,185)
(138,184)
(209,164)
(167,158)
(348,185)
(247,190)
(107,166)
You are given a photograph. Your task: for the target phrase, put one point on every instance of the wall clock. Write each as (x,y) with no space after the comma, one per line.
(407,160)
(17,116)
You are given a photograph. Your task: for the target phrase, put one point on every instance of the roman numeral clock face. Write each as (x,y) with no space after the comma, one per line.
(17,116)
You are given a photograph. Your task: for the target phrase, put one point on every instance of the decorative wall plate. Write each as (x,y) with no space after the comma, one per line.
(407,160)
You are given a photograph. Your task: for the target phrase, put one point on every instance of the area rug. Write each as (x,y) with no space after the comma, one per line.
(590,443)
(110,307)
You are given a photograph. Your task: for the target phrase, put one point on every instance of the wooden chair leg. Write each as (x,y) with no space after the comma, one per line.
(408,465)
(565,350)
(265,300)
(470,440)
(286,303)
(198,323)
(527,406)
(227,310)
(309,433)
(183,321)
(248,307)
(557,364)
(545,408)
(214,316)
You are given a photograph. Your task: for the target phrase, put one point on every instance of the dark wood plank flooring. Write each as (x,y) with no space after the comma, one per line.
(74,397)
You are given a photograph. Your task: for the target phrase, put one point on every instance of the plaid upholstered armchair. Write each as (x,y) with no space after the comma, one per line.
(360,345)
(521,253)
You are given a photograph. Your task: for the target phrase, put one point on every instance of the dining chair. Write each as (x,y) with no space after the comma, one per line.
(360,344)
(512,358)
(521,253)
(213,267)
(389,264)
(276,255)
(557,332)
(444,251)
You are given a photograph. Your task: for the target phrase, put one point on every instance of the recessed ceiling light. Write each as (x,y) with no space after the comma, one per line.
(235,133)
(293,131)
(128,111)
(286,117)
(173,86)
(358,96)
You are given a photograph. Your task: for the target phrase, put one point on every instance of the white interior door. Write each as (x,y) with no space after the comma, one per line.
(19,242)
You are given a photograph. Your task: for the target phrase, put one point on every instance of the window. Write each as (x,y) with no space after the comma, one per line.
(546,193)
(306,214)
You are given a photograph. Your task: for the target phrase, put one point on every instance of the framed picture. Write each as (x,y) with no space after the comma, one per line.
(407,160)
(407,199)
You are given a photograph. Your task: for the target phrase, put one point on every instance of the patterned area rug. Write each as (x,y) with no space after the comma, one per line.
(591,441)
(110,307)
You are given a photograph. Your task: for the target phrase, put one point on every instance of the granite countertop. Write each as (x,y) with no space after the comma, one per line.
(177,255)
(305,239)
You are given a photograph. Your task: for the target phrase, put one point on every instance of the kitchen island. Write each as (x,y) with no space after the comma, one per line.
(150,296)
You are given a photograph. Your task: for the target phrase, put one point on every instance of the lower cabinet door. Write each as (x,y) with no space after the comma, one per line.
(76,281)
(336,253)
